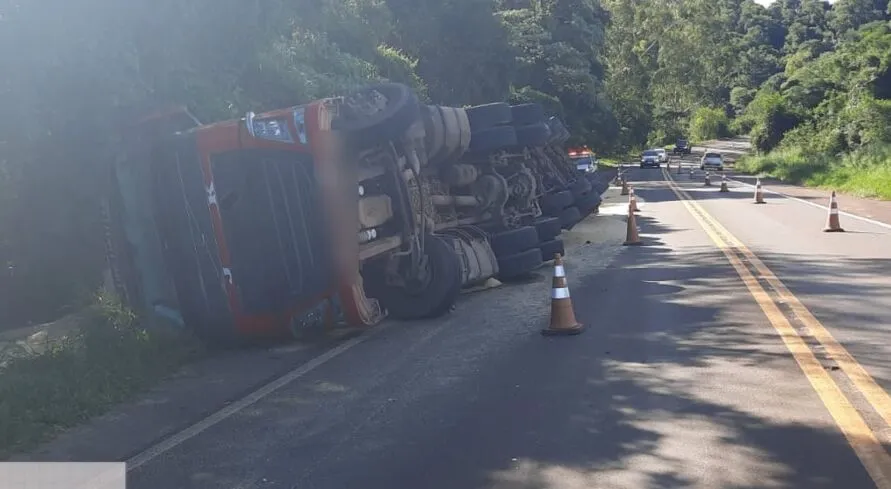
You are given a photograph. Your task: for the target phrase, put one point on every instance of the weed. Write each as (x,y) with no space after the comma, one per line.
(108,360)
(865,172)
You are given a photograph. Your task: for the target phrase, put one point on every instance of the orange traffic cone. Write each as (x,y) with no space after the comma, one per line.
(708,180)
(632,238)
(632,202)
(833,225)
(759,194)
(679,167)
(563,322)
(724,184)
(624,187)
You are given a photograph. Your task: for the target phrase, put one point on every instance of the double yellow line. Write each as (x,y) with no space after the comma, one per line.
(866,445)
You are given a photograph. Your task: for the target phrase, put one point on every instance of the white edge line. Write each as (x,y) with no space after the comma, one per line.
(813,204)
(180,437)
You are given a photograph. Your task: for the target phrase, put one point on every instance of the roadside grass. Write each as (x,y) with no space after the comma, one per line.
(109,360)
(610,161)
(865,173)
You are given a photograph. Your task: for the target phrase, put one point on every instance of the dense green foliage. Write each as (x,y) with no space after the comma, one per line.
(800,74)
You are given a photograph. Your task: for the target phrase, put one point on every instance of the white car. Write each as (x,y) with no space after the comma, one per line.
(711,160)
(663,155)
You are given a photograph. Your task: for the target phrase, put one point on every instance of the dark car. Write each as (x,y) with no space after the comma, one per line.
(682,147)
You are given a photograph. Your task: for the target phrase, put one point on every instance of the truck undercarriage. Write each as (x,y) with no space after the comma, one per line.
(371,199)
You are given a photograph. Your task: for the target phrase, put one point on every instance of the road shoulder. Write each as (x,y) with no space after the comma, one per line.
(205,387)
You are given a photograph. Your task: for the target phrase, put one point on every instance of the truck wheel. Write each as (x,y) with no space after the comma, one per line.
(525,114)
(551,248)
(489,115)
(570,217)
(547,227)
(514,241)
(400,110)
(580,187)
(553,204)
(431,297)
(520,264)
(589,202)
(533,135)
(493,139)
(464,124)
(452,131)
(435,139)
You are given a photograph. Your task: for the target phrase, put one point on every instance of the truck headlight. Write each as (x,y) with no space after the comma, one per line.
(274,129)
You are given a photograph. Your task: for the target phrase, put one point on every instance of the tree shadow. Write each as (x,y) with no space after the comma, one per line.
(677,382)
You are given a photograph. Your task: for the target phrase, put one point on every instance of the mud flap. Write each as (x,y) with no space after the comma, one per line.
(478,261)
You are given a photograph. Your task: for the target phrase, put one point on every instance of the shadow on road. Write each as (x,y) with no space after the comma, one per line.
(624,406)
(678,381)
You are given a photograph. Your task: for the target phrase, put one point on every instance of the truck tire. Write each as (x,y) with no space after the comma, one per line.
(452,131)
(493,139)
(535,135)
(437,295)
(557,128)
(435,138)
(514,241)
(553,204)
(464,123)
(570,217)
(401,111)
(580,187)
(547,227)
(519,265)
(525,114)
(589,202)
(550,248)
(483,117)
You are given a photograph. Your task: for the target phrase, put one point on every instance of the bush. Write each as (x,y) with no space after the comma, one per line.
(709,123)
(741,125)
(108,360)
(770,119)
(394,65)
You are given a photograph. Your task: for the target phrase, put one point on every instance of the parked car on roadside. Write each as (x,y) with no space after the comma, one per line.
(711,160)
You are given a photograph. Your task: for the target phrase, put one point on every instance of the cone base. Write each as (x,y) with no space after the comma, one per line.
(762,202)
(724,190)
(568,331)
(632,243)
(833,230)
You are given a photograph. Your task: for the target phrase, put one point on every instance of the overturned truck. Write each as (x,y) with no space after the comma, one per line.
(239,227)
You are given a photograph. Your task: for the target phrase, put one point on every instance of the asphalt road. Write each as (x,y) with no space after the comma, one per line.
(682,378)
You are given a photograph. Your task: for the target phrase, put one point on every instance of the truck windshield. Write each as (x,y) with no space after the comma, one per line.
(649,153)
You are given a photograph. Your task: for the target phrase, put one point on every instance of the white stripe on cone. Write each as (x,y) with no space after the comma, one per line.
(560,293)
(559,271)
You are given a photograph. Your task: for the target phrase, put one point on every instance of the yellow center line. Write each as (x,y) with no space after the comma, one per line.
(863,441)
(875,395)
